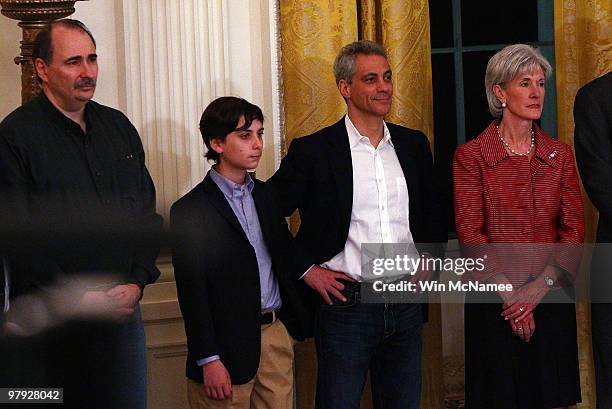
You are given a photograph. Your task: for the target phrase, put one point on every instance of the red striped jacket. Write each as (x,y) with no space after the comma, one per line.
(501,198)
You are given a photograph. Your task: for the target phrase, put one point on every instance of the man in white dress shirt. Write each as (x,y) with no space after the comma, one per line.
(362,180)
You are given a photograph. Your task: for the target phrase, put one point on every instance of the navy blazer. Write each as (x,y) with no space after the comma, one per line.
(316,178)
(217,278)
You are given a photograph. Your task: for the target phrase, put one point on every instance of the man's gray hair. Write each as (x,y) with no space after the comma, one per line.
(506,64)
(344,65)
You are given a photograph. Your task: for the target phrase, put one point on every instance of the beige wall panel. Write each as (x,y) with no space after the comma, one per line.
(165,390)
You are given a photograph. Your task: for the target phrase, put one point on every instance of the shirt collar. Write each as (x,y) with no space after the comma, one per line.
(493,150)
(230,188)
(57,115)
(355,137)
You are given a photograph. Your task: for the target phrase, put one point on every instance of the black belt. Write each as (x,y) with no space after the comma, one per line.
(268,317)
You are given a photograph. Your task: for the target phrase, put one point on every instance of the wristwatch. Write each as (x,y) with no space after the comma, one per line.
(549,281)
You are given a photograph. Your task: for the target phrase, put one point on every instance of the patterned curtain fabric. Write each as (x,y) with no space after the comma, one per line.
(403,29)
(583,51)
(312,32)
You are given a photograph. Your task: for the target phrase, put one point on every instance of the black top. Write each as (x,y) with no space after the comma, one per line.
(75,201)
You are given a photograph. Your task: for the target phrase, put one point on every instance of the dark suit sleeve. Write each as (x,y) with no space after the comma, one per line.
(292,180)
(191,284)
(295,260)
(290,185)
(436,233)
(593,142)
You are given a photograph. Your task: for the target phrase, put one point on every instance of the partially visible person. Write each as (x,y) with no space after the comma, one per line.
(514,184)
(73,176)
(236,272)
(593,141)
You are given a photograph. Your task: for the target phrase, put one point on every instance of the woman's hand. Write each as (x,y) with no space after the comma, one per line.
(524,300)
(524,329)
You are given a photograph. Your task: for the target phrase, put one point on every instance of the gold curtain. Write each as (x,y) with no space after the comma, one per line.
(583,51)
(312,32)
(402,27)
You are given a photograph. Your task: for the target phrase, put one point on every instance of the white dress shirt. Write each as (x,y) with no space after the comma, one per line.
(380,201)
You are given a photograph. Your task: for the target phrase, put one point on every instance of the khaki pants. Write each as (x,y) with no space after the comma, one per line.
(272,386)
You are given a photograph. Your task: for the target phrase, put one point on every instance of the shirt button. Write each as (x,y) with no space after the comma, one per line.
(107,201)
(98,174)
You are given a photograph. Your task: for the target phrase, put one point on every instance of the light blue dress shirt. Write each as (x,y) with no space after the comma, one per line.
(241,201)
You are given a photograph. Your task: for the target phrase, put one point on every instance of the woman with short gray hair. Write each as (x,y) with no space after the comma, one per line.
(514,184)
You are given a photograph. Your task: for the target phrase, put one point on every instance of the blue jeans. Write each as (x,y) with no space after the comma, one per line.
(353,337)
(104,364)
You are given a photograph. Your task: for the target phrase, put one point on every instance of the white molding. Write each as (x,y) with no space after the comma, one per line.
(277,97)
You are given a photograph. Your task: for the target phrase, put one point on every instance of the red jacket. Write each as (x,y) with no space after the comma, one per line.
(509,199)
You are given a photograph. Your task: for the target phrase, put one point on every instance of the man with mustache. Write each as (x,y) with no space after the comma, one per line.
(81,202)
(361,180)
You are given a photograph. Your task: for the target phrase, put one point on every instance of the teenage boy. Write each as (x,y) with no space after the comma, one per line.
(236,272)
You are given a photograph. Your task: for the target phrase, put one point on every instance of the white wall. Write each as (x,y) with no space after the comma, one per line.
(100,17)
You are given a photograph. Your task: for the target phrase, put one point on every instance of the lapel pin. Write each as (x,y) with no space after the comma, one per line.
(552,155)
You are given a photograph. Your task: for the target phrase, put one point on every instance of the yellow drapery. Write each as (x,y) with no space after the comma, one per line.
(312,32)
(403,29)
(583,51)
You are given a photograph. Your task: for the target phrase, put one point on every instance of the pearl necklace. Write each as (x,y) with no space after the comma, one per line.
(507,145)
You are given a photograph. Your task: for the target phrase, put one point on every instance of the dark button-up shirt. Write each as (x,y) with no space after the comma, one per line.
(76,201)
